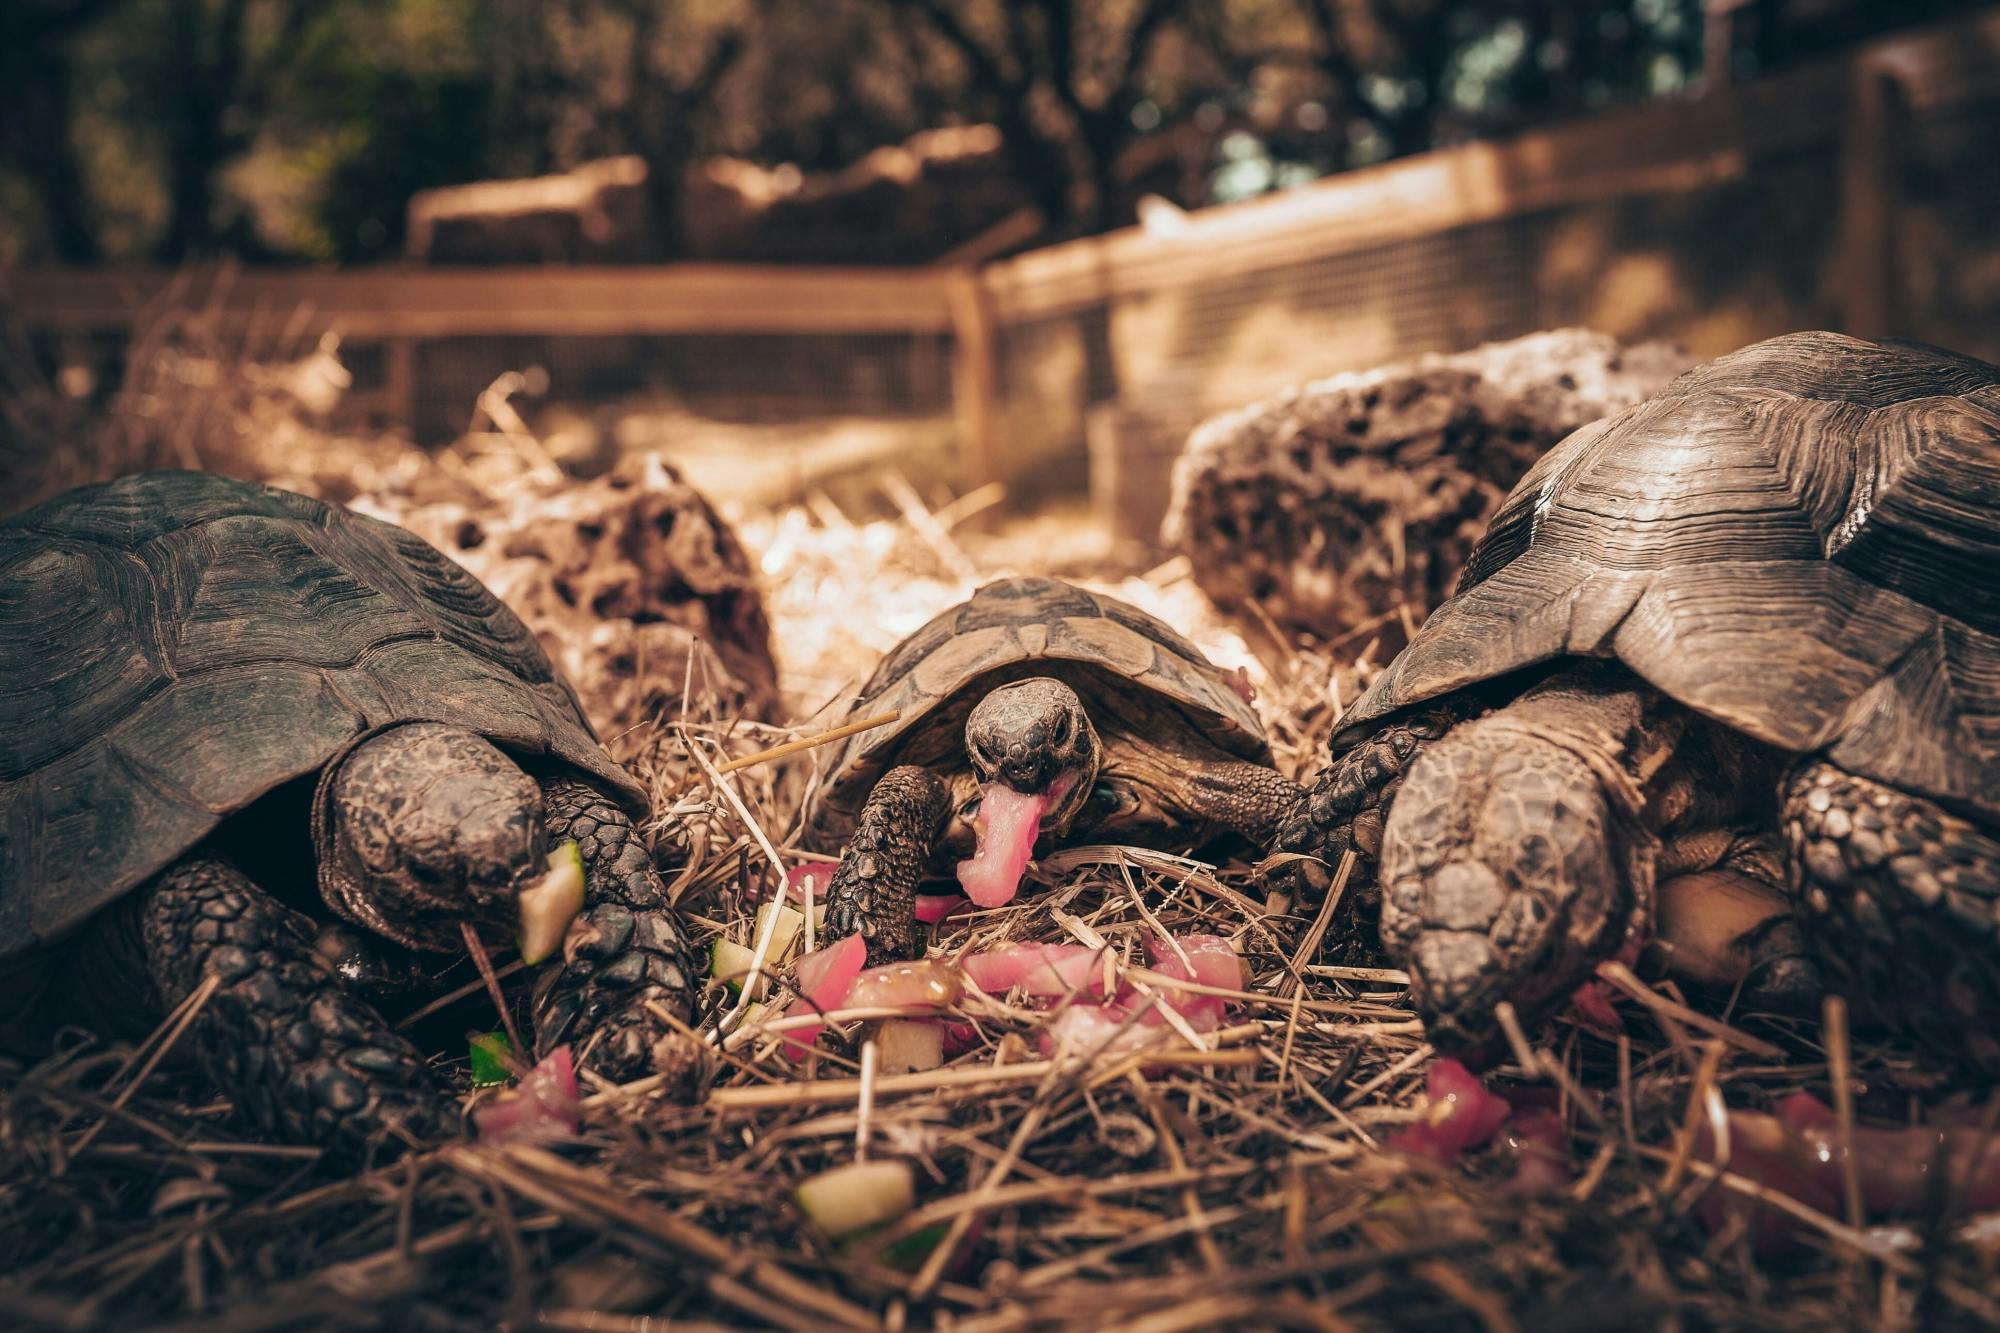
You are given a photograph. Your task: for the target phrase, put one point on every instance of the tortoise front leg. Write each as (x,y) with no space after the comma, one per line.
(304,1060)
(1254,800)
(1900,900)
(874,891)
(626,953)
(1344,809)
(1346,806)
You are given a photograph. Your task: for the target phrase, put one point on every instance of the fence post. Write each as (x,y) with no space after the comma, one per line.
(1872,150)
(975,375)
(399,387)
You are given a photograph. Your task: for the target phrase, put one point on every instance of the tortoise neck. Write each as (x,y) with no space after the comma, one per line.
(1670,768)
(1623,728)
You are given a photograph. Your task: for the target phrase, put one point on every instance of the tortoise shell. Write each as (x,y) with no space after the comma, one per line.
(1109,651)
(1800,540)
(176,644)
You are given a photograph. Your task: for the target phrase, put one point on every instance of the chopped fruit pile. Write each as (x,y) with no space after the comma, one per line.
(1098,1010)
(834,978)
(824,977)
(1541,1151)
(935,907)
(545,1108)
(1100,1022)
(1045,970)
(1463,1115)
(818,875)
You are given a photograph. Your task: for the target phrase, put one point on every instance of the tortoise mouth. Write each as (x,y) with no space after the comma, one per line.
(1009,824)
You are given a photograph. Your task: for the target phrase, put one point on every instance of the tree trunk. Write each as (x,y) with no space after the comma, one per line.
(199,143)
(48,157)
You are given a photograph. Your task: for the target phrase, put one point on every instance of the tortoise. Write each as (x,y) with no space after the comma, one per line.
(218,695)
(1034,711)
(1745,633)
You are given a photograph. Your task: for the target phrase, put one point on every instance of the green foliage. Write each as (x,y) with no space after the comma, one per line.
(419,132)
(493,1058)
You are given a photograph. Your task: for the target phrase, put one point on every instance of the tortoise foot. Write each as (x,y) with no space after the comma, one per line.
(874,892)
(1344,810)
(304,1060)
(1900,900)
(626,969)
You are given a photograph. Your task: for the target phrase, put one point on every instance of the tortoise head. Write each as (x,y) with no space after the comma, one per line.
(1034,737)
(425,827)
(1507,875)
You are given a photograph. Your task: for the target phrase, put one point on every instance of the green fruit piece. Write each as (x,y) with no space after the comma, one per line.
(908,1254)
(783,935)
(491,1057)
(729,963)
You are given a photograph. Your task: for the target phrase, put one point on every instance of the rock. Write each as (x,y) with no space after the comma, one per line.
(1335,503)
(636,587)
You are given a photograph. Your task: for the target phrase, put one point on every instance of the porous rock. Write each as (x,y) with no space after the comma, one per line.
(1337,502)
(637,588)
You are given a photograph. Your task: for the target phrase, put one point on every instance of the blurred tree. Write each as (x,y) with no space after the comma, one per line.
(301,127)
(1062,80)
(1406,75)
(206,75)
(37,132)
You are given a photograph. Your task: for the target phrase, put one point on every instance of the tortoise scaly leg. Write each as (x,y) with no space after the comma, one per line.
(1251,799)
(875,889)
(1901,902)
(303,1059)
(626,950)
(1344,809)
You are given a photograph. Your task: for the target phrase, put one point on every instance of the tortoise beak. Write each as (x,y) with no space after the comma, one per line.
(1066,793)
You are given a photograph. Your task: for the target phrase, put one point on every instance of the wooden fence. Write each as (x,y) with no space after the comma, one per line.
(1861,99)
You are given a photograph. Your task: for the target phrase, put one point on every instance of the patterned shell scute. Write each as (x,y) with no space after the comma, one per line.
(1801,539)
(176,644)
(1012,624)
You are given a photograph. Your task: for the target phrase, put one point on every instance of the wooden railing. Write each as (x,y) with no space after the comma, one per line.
(1669,145)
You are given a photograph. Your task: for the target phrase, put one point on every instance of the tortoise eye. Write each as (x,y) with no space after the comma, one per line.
(970,809)
(1064,729)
